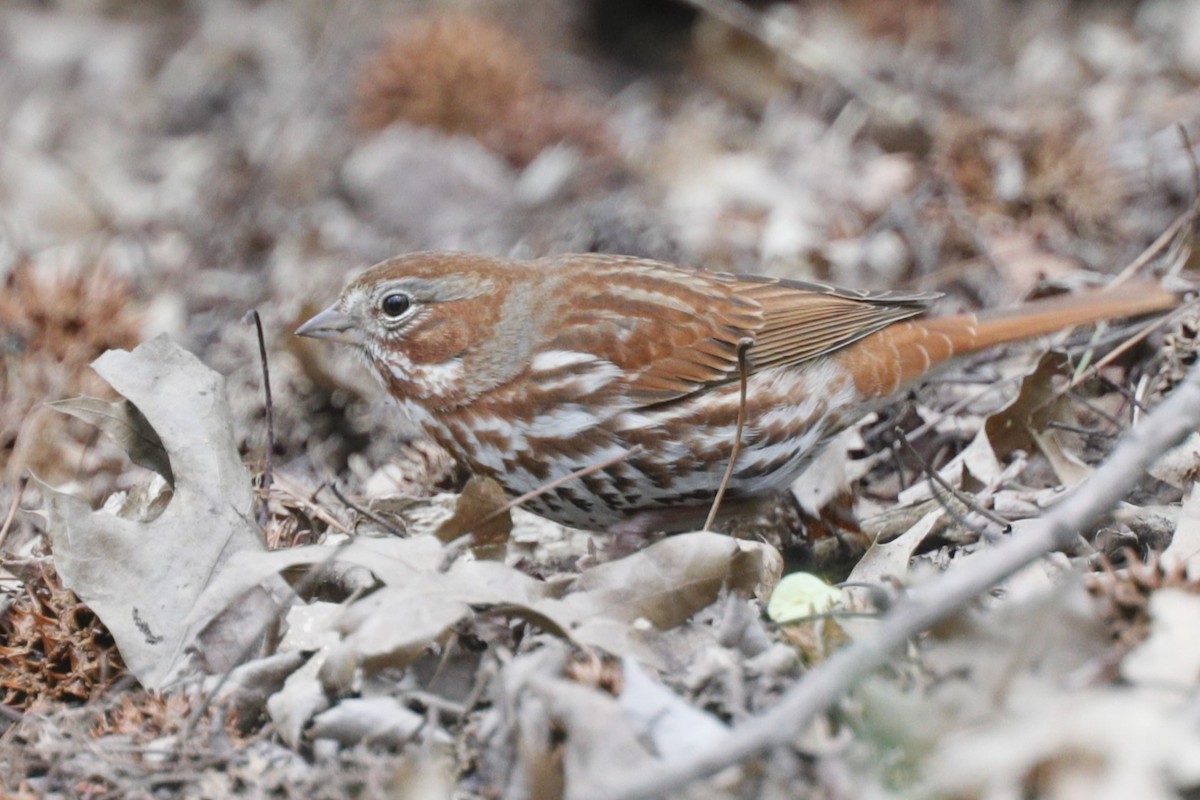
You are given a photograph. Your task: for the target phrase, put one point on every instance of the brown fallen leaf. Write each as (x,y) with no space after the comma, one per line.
(478,511)
(1036,404)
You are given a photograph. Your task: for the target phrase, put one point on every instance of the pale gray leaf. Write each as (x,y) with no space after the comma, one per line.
(378,720)
(121,421)
(144,577)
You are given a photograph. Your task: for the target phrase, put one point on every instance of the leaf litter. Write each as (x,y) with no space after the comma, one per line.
(174,418)
(506,661)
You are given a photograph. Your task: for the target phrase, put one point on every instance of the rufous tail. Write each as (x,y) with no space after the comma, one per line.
(899,354)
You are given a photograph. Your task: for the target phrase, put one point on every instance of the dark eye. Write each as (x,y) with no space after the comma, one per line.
(395,304)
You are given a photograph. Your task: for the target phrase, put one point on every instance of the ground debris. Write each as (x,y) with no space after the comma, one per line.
(367,623)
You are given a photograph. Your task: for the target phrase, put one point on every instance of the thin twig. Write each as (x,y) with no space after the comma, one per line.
(894,452)
(308,504)
(935,491)
(365,512)
(1117,351)
(926,605)
(1082,431)
(818,616)
(1135,405)
(264,509)
(1118,426)
(1176,239)
(743,347)
(936,479)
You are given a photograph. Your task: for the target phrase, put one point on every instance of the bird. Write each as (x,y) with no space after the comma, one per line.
(616,385)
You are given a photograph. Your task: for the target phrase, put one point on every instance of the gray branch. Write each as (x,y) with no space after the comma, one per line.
(1173,420)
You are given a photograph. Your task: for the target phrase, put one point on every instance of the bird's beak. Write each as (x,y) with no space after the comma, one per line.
(333,325)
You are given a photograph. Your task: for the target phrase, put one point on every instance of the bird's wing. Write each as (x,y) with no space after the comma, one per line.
(805,320)
(674,330)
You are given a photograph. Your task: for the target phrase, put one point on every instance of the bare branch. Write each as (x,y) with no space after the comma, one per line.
(925,606)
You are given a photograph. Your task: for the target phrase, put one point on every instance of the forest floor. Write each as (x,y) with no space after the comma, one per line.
(204,593)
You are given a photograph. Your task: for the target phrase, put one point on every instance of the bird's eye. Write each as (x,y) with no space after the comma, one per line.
(396,304)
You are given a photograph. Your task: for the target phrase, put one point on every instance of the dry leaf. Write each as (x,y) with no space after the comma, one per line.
(598,736)
(126,426)
(1184,549)
(378,720)
(1170,657)
(1069,468)
(420,604)
(671,580)
(674,726)
(1036,404)
(143,578)
(833,472)
(301,697)
(890,560)
(478,512)
(1180,466)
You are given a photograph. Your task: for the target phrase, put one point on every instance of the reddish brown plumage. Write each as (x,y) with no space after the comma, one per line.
(904,352)
(529,371)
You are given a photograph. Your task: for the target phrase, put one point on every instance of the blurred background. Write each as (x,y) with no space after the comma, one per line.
(167,166)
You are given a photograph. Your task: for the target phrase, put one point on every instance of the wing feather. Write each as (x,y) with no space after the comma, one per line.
(806,320)
(675,331)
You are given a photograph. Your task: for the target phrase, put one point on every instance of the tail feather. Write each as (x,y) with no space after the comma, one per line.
(902,353)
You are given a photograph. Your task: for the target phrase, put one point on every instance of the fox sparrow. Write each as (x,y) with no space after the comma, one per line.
(528,371)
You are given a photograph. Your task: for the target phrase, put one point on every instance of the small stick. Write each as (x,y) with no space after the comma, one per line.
(1082,431)
(1097,410)
(936,478)
(742,348)
(1116,352)
(371,515)
(1176,239)
(1165,241)
(309,504)
(264,509)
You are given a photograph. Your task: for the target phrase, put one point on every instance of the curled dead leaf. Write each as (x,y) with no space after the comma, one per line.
(143,577)
(124,424)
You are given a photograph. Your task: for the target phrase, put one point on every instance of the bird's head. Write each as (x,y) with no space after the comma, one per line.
(436,327)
